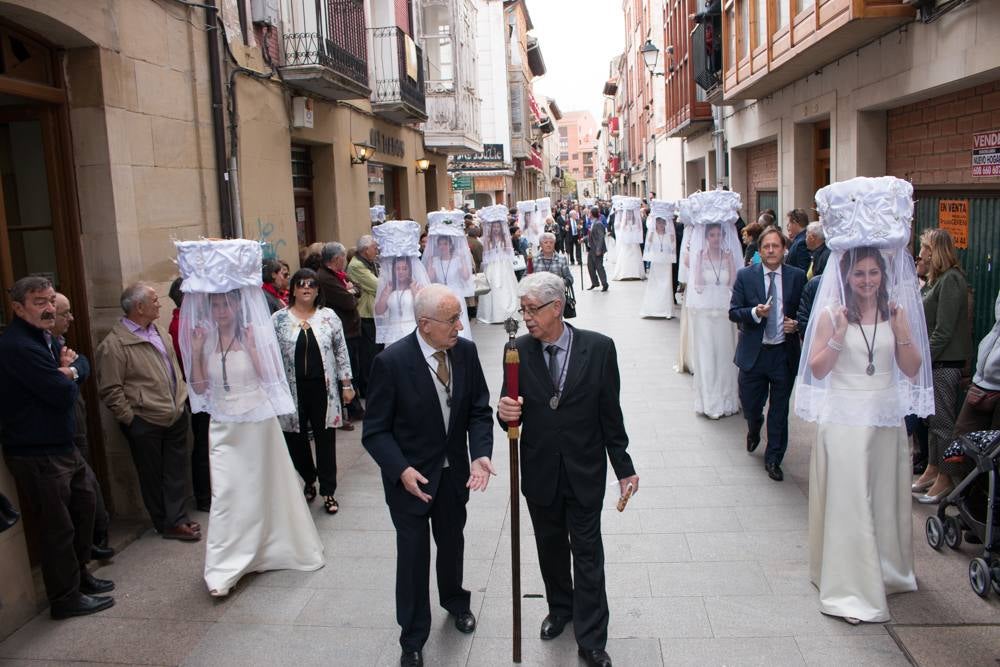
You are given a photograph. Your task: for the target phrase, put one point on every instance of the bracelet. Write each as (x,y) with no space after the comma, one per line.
(346,386)
(834,345)
(904,343)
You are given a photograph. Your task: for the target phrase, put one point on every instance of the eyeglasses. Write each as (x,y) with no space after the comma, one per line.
(451,321)
(308,283)
(533,310)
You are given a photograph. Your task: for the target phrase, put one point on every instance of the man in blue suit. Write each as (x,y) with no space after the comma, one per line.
(429,428)
(764,304)
(799,254)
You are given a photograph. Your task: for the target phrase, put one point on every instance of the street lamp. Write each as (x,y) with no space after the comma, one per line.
(423,164)
(363,151)
(650,54)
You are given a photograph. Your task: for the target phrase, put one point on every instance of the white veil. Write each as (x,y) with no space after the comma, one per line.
(661,248)
(496,235)
(400,271)
(713,247)
(529,222)
(245,381)
(628,222)
(447,257)
(867,224)
(377,214)
(543,207)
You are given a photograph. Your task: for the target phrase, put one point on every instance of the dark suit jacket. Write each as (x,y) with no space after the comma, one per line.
(798,253)
(806,304)
(343,302)
(819,257)
(403,425)
(748,291)
(595,238)
(586,430)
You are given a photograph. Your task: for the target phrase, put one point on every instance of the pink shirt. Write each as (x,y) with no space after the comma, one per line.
(151,335)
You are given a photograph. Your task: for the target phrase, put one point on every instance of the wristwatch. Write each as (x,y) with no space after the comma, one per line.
(75,373)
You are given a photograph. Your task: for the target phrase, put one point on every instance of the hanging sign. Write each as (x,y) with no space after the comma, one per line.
(953,217)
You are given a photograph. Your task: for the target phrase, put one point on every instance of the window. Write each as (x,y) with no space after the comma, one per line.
(744,31)
(802,5)
(563,132)
(563,157)
(780,14)
(731,37)
(588,172)
(576,156)
(438,45)
(302,168)
(760,24)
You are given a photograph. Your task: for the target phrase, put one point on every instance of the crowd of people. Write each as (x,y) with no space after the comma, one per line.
(873,340)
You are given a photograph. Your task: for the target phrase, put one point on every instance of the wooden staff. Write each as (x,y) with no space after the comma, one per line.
(511,364)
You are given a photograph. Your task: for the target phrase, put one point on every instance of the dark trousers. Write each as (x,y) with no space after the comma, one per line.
(160,457)
(567,528)
(61,495)
(366,355)
(770,376)
(102,520)
(574,250)
(201,478)
(446,520)
(971,419)
(312,414)
(595,266)
(354,353)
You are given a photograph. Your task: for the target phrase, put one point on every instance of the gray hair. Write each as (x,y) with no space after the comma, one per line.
(547,236)
(365,241)
(430,298)
(19,292)
(133,295)
(331,251)
(816,229)
(542,286)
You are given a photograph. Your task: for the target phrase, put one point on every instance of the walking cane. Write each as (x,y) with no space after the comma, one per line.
(511,362)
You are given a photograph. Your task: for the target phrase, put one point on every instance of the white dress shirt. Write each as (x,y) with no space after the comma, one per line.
(777,308)
(432,364)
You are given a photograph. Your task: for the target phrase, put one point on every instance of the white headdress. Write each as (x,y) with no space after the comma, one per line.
(660,248)
(398,238)
(496,235)
(529,221)
(628,221)
(401,276)
(223,300)
(544,208)
(866,222)
(447,257)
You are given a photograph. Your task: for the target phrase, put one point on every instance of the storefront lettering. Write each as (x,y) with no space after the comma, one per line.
(386,145)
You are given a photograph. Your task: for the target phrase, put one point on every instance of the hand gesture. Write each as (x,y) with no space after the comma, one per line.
(412,479)
(840,323)
(248,338)
(790,325)
(633,480)
(198,339)
(898,322)
(763,310)
(67,357)
(510,410)
(481,471)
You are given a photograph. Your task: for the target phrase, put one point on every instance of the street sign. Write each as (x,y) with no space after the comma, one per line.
(461,183)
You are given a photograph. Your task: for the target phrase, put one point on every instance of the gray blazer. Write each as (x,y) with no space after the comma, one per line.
(595,240)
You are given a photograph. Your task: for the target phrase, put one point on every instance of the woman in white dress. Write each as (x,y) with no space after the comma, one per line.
(865,366)
(660,252)
(259,518)
(628,238)
(400,278)
(448,259)
(685,348)
(501,302)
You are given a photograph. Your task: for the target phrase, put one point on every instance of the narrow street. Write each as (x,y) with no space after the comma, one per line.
(706,566)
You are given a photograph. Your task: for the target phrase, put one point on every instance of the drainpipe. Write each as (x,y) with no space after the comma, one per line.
(718,136)
(218,125)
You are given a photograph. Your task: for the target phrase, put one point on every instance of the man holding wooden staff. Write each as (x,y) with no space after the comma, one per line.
(571,425)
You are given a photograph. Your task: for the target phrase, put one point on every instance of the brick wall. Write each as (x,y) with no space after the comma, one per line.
(930,142)
(762,174)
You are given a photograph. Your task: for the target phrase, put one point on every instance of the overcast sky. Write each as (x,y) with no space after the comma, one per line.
(578,40)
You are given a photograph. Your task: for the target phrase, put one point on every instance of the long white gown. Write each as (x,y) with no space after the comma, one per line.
(628,262)
(501,301)
(259,519)
(713,343)
(399,318)
(658,299)
(449,273)
(860,535)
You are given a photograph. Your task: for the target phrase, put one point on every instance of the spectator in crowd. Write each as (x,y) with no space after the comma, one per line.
(38,395)
(549,260)
(816,243)
(140,382)
(806,304)
(572,230)
(473,232)
(946,307)
(750,235)
(318,367)
(274,274)
(596,236)
(309,256)
(341,295)
(798,252)
(362,271)
(62,321)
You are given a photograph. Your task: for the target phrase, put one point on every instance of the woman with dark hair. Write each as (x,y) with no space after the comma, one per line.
(274,274)
(946,308)
(314,352)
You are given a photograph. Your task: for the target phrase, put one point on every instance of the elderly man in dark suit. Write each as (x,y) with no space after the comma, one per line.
(572,424)
(427,398)
(597,232)
(764,304)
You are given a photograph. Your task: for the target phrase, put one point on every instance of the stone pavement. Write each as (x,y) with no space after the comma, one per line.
(707,565)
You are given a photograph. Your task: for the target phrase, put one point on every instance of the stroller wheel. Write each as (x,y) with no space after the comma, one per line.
(935,532)
(952,532)
(996,577)
(979,576)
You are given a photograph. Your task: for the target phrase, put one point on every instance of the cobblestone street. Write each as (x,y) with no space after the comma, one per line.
(707,565)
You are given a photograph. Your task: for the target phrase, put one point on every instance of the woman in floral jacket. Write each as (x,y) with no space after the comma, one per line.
(314,352)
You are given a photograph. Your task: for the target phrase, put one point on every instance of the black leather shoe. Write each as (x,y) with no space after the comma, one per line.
(465,622)
(595,657)
(99,552)
(753,439)
(553,626)
(91,585)
(411,659)
(774,471)
(82,605)
(592,287)
(604,289)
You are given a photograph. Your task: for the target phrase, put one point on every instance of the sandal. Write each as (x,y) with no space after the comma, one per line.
(330,505)
(310,492)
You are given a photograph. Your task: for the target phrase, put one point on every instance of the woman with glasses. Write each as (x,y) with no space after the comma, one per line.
(318,367)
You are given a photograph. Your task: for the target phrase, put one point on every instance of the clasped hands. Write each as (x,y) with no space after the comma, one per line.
(66,359)
(481,470)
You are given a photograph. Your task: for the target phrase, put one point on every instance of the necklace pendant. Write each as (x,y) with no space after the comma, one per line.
(554,402)
(871,369)
(448,401)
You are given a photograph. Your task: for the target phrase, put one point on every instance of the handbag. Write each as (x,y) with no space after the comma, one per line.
(569,304)
(8,515)
(482,284)
(519,263)
(982,400)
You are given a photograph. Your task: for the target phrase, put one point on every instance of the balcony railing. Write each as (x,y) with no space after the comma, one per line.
(334,61)
(398,75)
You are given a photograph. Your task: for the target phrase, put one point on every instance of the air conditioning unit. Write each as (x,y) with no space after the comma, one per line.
(267,12)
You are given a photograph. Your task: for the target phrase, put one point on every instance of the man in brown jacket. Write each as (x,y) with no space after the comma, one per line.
(341,294)
(140,381)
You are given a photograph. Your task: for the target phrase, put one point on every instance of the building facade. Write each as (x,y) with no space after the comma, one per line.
(578,144)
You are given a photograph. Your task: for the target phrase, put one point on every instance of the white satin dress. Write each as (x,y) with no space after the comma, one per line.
(628,262)
(501,302)
(712,338)
(860,535)
(259,519)
(399,320)
(448,273)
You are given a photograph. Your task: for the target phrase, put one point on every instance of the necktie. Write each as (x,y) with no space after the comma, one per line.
(771,328)
(572,227)
(442,369)
(809,273)
(553,366)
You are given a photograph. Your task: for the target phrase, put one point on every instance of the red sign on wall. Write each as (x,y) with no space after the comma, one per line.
(986,153)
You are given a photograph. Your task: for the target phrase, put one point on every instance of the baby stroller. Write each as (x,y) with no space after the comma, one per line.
(977,502)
